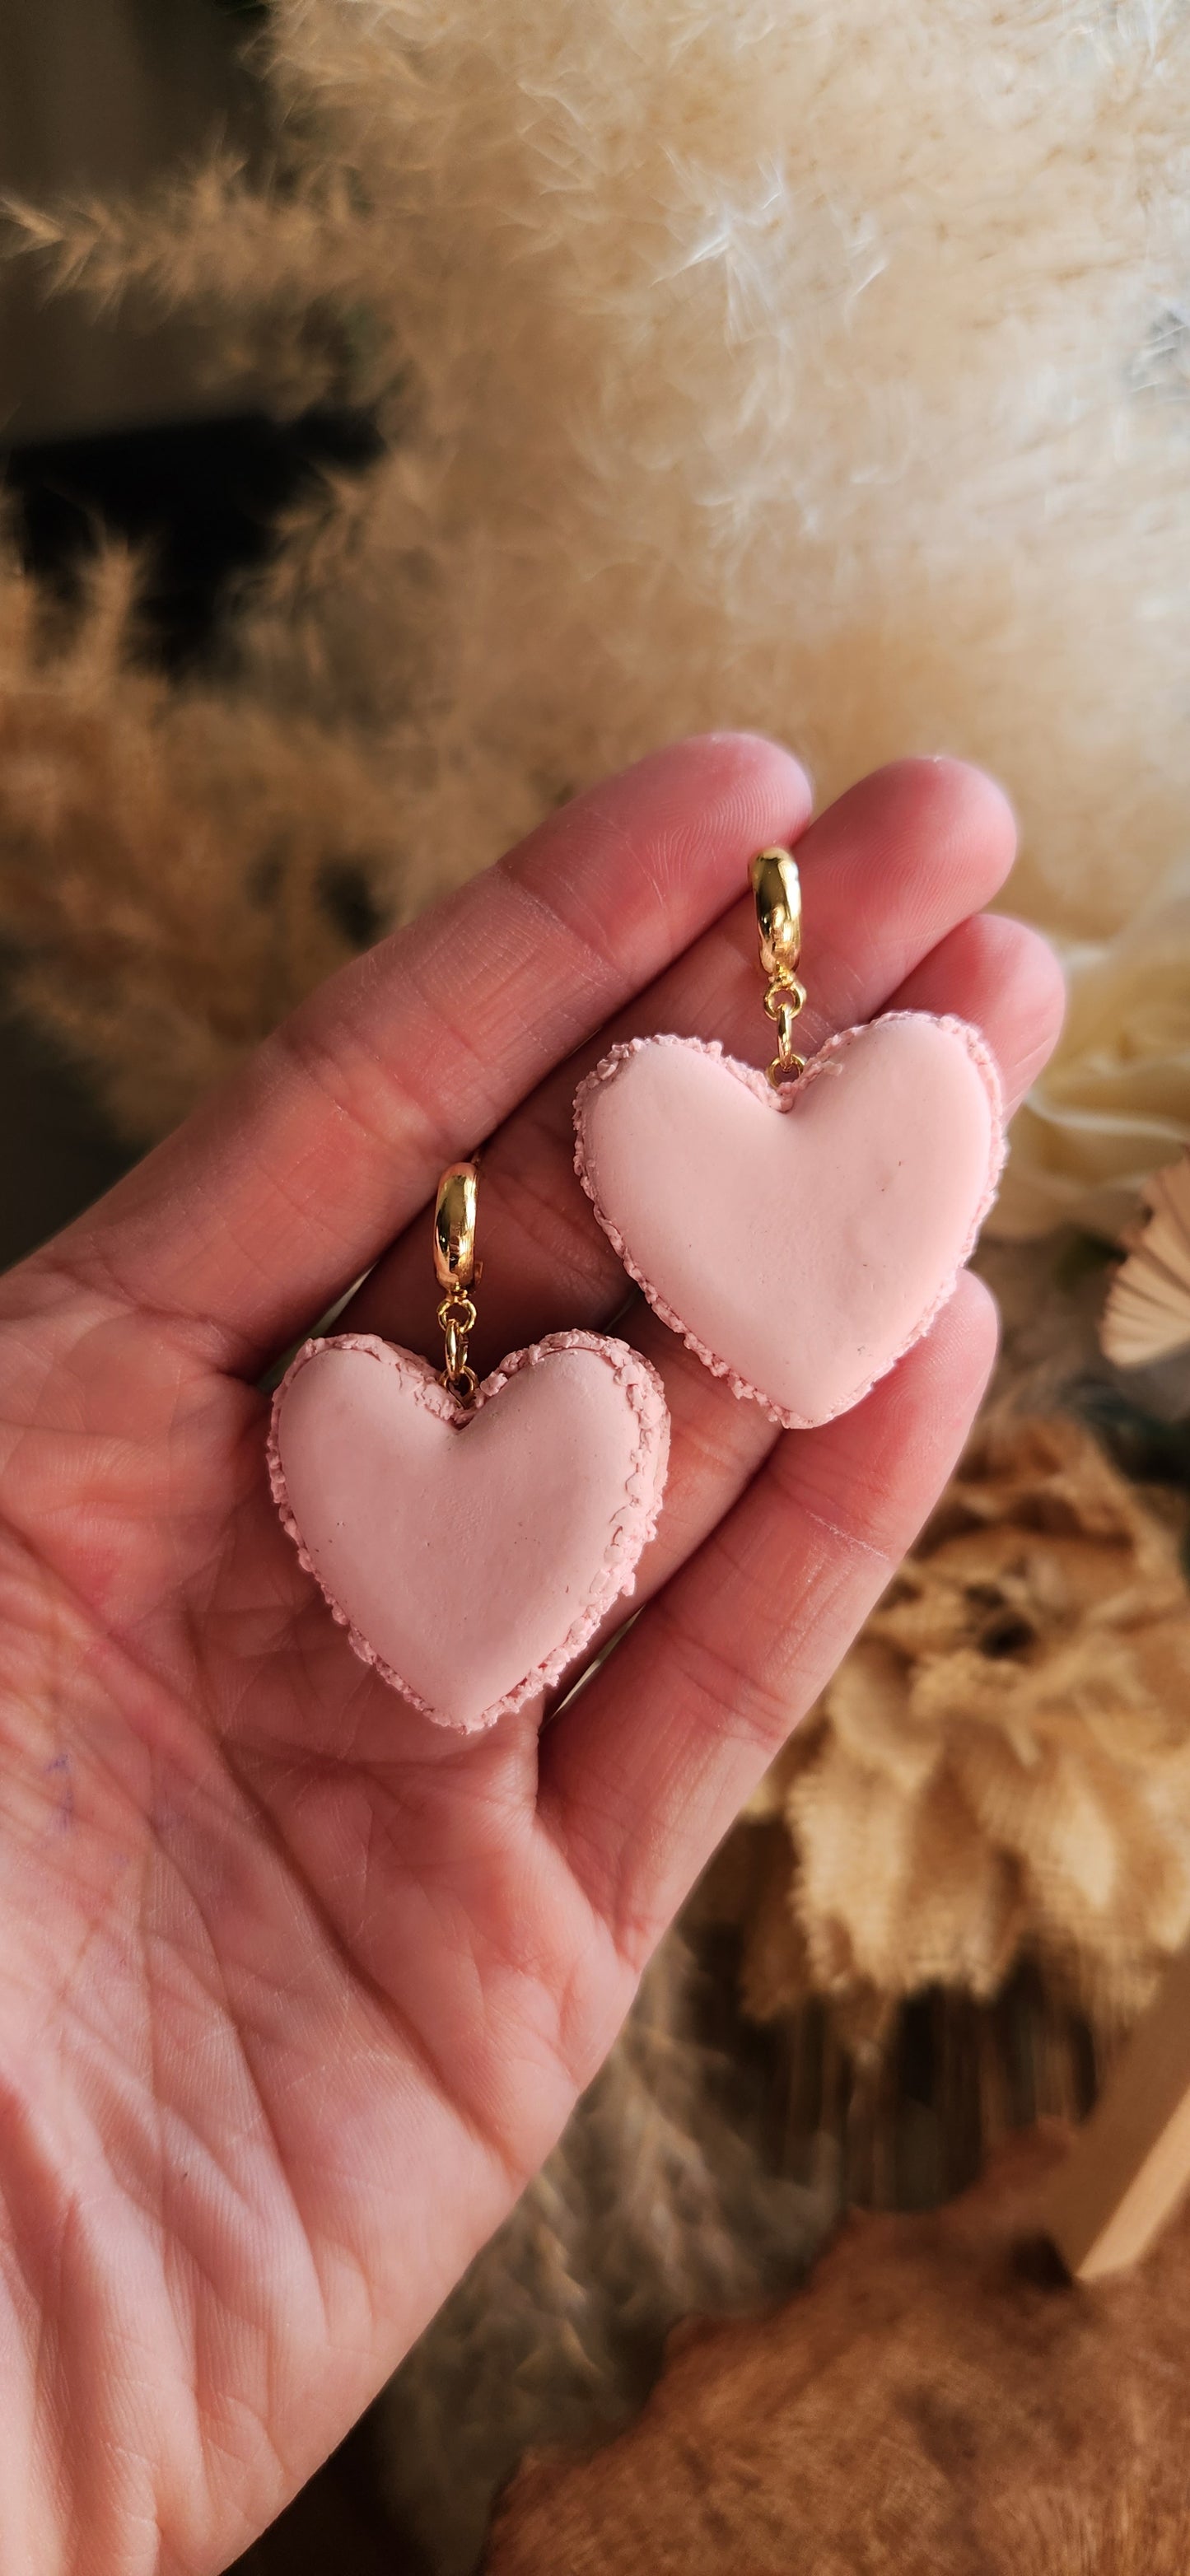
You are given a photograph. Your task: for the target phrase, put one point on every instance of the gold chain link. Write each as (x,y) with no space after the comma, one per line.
(777,888)
(456,1315)
(457,1269)
(786,996)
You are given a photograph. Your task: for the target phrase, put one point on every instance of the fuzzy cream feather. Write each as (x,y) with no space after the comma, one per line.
(821,370)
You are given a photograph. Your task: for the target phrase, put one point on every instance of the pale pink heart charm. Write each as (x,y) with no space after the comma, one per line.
(470,1554)
(800,1241)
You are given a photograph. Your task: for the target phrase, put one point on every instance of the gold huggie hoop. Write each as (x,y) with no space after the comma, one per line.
(777,888)
(456,1271)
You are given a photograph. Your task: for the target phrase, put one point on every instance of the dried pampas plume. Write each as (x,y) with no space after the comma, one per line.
(177,867)
(999,1771)
(820,369)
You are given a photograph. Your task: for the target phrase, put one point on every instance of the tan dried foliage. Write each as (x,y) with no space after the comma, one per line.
(938,2402)
(1000,1769)
(177,866)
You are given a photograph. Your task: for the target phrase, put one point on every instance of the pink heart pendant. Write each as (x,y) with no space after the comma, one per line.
(470,1554)
(800,1241)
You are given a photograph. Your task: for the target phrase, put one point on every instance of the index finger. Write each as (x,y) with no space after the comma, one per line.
(295,1175)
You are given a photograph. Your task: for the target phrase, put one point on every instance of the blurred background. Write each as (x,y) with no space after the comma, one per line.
(98,418)
(126,421)
(102,96)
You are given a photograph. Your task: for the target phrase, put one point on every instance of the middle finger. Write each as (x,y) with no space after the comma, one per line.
(887,872)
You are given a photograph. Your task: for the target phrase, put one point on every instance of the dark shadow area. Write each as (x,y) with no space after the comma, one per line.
(200,498)
(336,2522)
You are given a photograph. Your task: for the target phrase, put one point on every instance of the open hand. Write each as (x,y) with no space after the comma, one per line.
(296,1990)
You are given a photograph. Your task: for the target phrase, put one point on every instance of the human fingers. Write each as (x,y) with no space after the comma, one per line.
(887,872)
(643,1771)
(1000,975)
(1005,979)
(291,1179)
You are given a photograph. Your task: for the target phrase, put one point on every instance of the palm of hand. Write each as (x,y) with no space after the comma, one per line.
(298,1989)
(251,1975)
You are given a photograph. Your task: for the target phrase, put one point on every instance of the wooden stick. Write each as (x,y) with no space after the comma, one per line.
(1130,2163)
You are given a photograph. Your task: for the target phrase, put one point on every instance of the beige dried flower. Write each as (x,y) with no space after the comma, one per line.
(1113,1103)
(1146,1317)
(1001,1767)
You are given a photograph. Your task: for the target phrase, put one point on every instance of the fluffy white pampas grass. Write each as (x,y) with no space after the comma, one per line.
(816,368)
(825,369)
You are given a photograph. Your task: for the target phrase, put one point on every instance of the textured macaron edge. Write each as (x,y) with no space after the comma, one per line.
(632,1524)
(782,1103)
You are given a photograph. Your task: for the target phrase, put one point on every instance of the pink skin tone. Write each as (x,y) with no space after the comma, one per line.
(296,1988)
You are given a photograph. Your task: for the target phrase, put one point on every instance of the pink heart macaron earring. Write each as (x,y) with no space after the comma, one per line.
(800,1228)
(470,1538)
